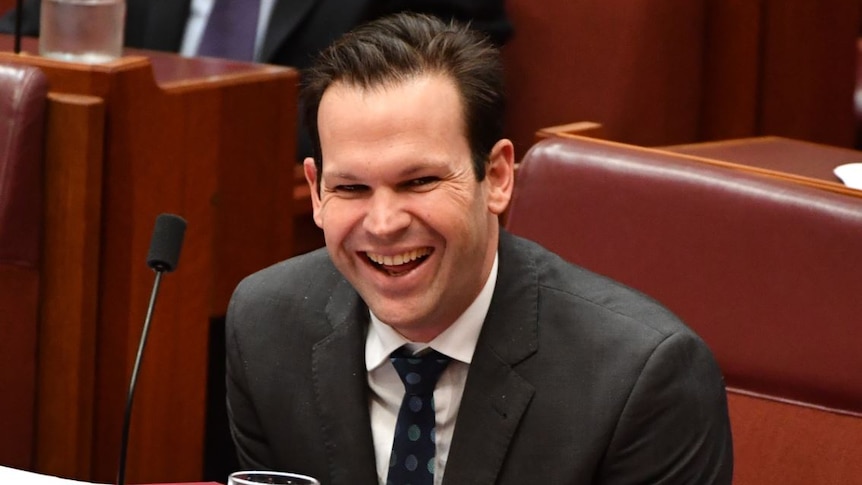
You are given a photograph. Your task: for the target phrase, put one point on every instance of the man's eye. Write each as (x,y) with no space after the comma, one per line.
(421,181)
(351,188)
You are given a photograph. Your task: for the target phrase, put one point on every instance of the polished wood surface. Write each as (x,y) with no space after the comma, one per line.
(802,162)
(68,338)
(149,133)
(777,153)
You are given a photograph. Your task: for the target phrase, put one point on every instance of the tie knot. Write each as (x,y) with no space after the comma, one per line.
(419,373)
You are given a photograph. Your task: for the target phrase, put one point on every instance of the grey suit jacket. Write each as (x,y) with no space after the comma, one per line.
(575,379)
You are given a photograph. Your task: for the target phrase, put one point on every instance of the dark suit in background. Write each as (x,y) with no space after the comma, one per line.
(575,380)
(297,30)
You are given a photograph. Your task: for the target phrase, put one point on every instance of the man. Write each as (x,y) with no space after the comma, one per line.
(555,375)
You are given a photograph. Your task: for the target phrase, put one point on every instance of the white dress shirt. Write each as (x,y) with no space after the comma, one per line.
(197,21)
(457,342)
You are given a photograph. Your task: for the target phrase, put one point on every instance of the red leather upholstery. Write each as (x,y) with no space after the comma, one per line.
(22,116)
(766,271)
(23,92)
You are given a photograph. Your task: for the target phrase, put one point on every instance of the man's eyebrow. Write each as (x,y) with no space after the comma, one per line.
(421,166)
(341,175)
(406,172)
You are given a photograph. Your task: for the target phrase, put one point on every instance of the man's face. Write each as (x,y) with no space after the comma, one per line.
(404,218)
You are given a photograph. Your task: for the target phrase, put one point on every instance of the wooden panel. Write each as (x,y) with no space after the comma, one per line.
(780,67)
(634,67)
(214,143)
(731,73)
(809,70)
(70,285)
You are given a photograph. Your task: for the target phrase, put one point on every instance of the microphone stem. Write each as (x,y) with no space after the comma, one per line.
(127,419)
(19,15)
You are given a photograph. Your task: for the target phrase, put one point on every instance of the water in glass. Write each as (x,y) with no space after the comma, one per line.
(88,31)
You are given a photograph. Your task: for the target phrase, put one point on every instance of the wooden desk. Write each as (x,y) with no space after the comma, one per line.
(798,161)
(148,133)
(802,158)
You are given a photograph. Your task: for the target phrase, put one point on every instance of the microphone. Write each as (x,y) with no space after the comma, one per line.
(166,243)
(164,254)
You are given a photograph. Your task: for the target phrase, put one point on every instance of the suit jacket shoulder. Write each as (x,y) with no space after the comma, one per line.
(305,280)
(296,369)
(579,379)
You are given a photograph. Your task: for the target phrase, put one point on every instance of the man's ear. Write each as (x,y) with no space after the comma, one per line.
(311,176)
(500,176)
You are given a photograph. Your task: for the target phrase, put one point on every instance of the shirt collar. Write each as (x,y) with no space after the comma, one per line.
(458,341)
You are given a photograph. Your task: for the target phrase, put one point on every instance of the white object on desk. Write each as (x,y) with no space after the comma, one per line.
(21,477)
(850,174)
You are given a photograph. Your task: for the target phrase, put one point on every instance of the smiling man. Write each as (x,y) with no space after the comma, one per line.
(427,345)
(405,219)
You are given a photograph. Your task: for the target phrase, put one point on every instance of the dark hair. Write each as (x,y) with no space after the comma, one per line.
(399,47)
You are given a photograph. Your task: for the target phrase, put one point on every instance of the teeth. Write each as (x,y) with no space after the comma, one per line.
(399,259)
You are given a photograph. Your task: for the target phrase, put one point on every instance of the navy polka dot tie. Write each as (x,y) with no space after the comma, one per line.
(412,458)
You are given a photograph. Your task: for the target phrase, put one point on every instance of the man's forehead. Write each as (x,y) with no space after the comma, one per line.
(359,123)
(429,95)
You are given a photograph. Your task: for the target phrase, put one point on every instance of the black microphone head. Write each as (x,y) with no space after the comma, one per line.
(166,243)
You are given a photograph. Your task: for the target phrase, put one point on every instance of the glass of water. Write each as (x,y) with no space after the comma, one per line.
(272,478)
(88,31)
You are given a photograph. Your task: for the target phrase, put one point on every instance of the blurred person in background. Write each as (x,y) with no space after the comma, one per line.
(288,32)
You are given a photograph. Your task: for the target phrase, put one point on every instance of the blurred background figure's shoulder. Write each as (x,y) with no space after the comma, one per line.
(29,19)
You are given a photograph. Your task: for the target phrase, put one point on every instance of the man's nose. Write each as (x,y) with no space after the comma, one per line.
(386,214)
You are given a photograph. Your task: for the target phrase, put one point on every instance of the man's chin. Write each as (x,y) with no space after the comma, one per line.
(407,322)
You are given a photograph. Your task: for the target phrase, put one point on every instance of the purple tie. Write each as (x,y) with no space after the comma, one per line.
(231,30)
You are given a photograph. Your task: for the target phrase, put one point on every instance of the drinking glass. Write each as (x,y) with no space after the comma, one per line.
(88,31)
(272,478)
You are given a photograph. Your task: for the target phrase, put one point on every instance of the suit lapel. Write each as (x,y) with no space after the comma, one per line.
(341,390)
(286,16)
(496,396)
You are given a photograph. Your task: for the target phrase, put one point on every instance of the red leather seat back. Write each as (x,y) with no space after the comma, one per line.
(766,271)
(23,91)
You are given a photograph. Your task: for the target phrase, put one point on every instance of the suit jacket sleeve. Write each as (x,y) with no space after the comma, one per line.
(673,428)
(253,451)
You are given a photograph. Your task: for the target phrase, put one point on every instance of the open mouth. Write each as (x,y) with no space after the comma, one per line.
(399,264)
